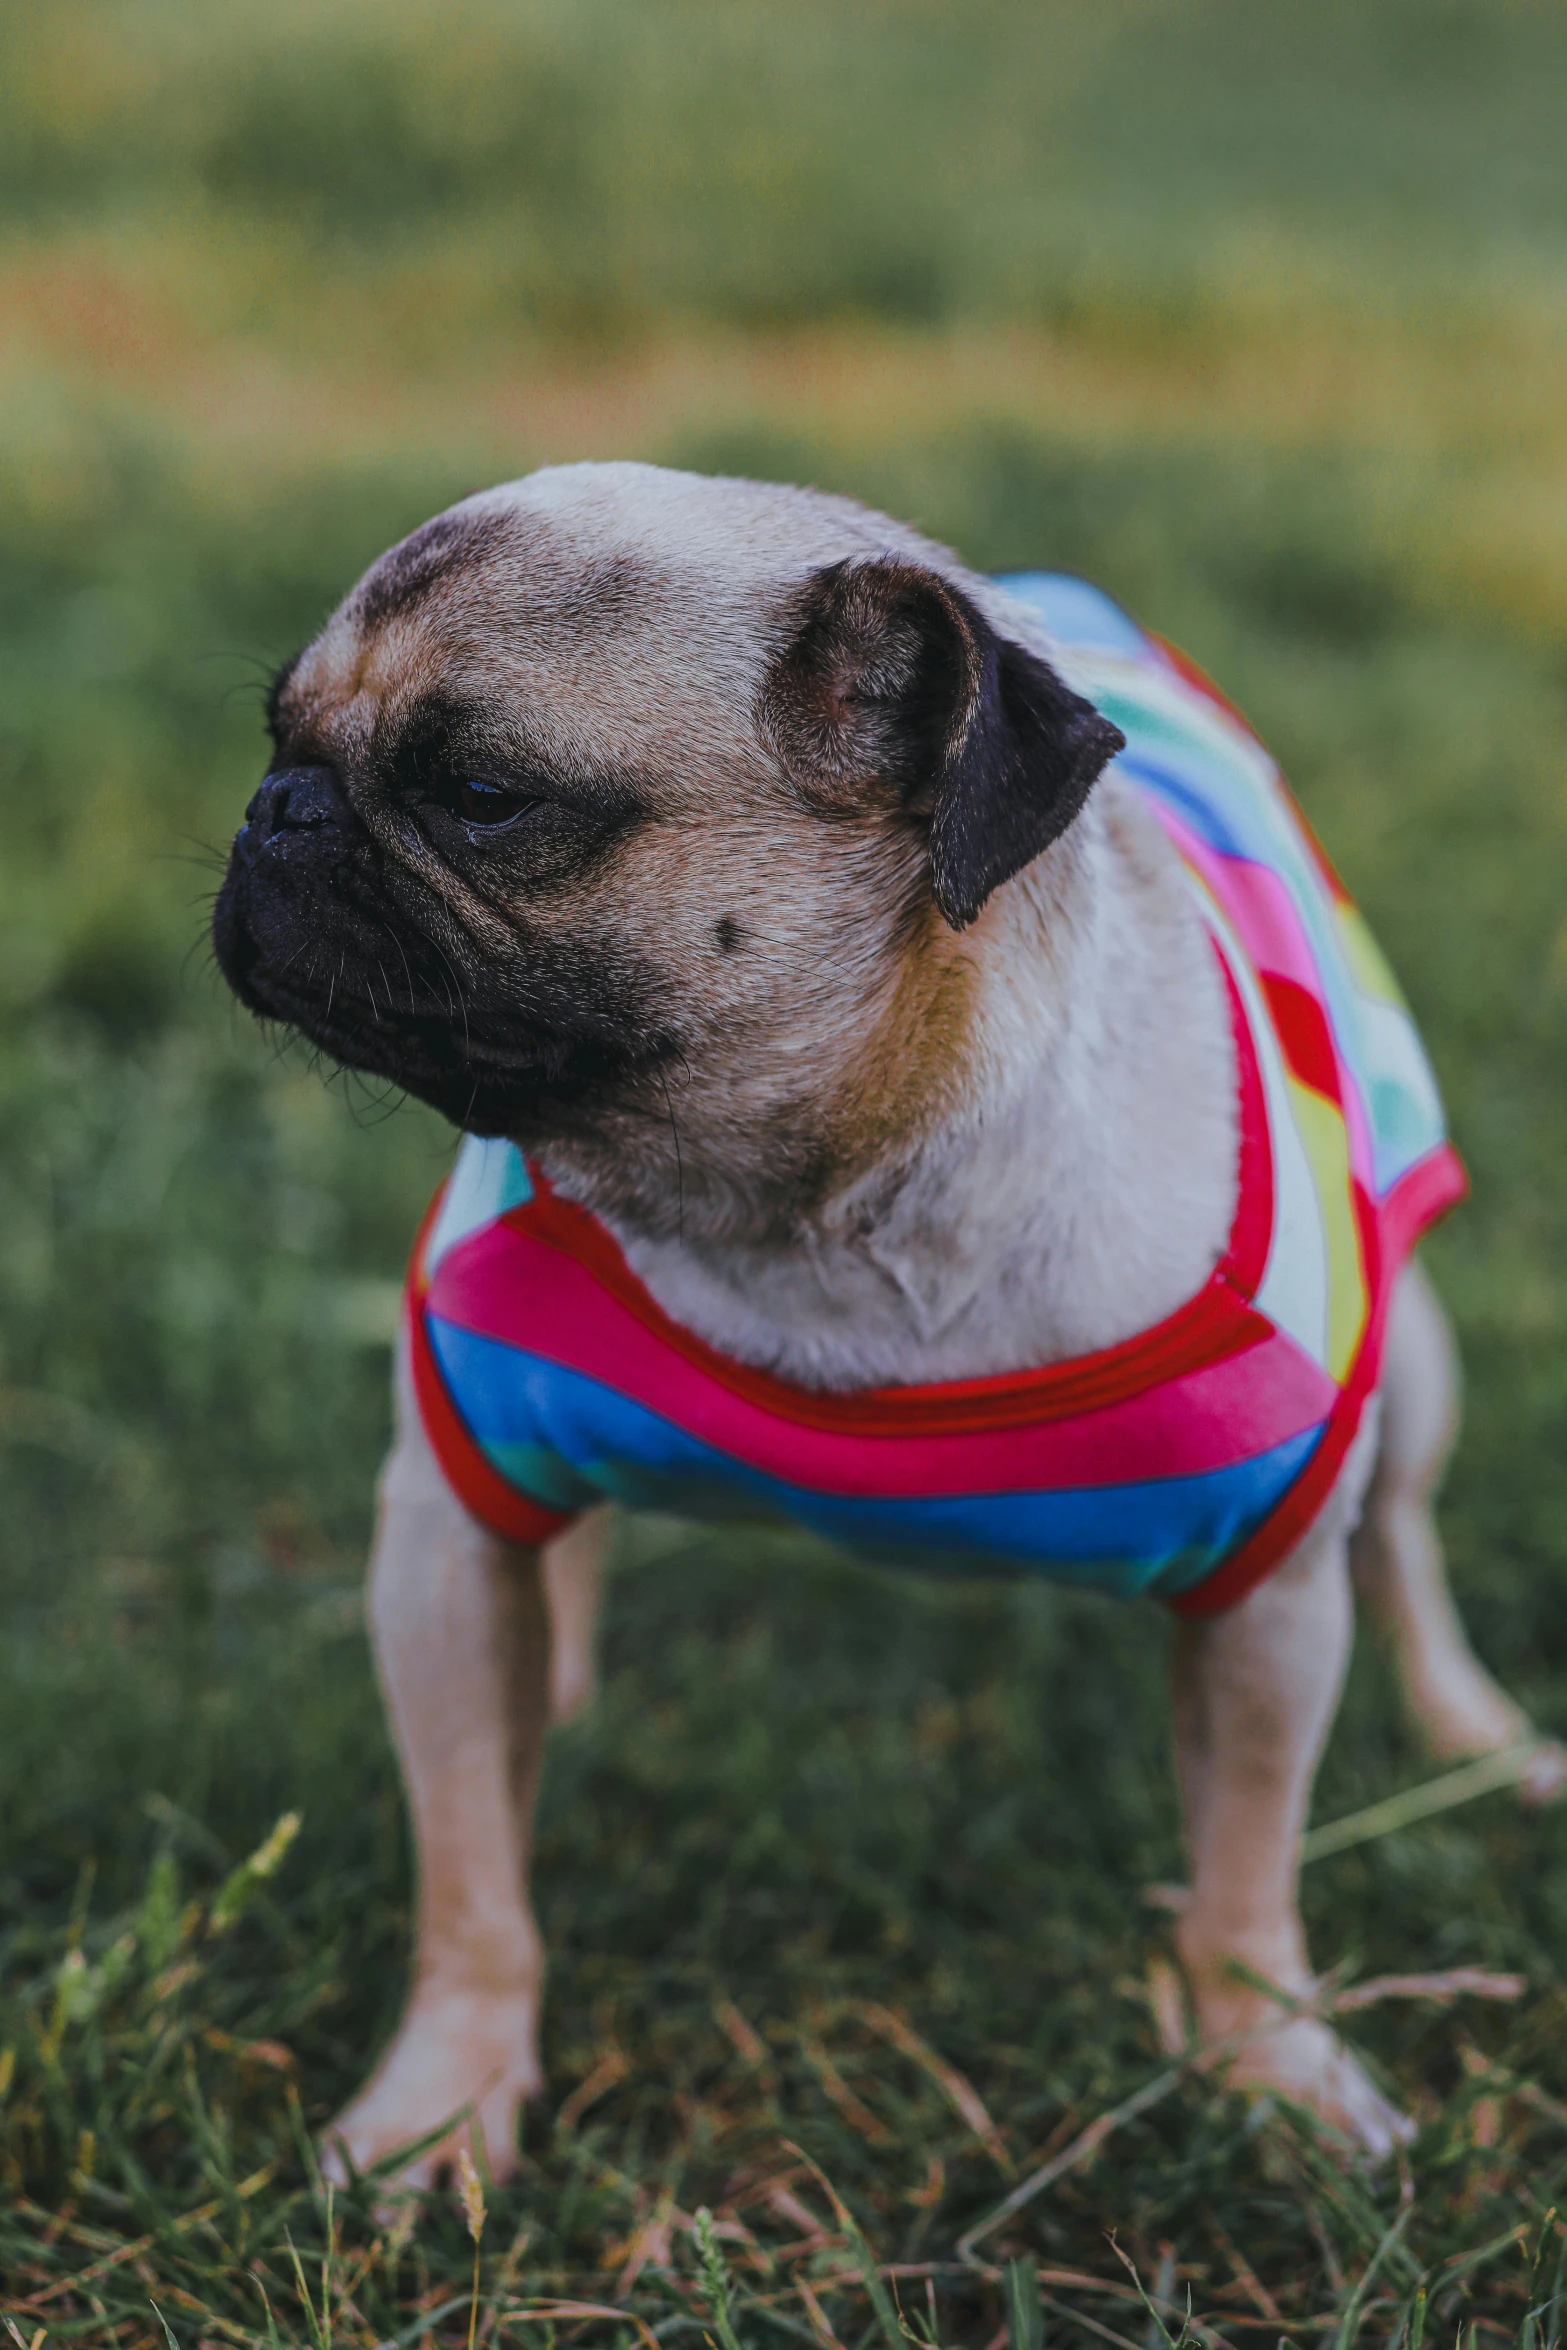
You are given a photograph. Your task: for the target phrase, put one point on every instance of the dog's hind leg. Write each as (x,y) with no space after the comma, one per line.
(573,1577)
(461,1631)
(1397,1553)
(1256,1688)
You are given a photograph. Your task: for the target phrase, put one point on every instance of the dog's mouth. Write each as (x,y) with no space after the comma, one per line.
(310,933)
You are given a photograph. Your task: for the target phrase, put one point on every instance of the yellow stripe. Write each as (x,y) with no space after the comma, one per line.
(1320,1125)
(1372,973)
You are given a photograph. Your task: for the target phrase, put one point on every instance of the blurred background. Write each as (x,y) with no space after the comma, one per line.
(1256,313)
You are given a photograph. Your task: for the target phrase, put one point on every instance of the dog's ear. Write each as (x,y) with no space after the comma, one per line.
(894,682)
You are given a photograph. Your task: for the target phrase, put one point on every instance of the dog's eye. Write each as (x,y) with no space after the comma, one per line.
(479,802)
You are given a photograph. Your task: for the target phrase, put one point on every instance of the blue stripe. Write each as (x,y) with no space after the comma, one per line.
(1197,804)
(570,1441)
(1076,612)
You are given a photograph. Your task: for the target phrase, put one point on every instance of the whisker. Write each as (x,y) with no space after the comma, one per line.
(680,1175)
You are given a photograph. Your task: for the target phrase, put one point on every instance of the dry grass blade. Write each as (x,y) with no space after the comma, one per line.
(651,2242)
(956,2087)
(1090,2325)
(1086,2144)
(817,2315)
(1484,1777)
(1459,1982)
(856,2114)
(742,2037)
(1248,2280)
(559,2312)
(88,2276)
(610,2068)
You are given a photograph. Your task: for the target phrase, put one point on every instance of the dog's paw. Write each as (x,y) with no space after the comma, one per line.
(462,2065)
(1306,2062)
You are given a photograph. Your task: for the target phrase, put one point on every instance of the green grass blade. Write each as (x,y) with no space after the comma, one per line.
(1025,2312)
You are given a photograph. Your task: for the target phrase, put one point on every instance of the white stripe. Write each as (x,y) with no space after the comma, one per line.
(487,1179)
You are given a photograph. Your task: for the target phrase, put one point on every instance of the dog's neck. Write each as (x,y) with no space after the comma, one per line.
(1075,1184)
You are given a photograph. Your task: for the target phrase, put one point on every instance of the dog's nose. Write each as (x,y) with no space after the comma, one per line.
(293,800)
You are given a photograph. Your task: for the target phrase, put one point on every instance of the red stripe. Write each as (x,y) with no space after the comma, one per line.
(1185,667)
(1304,1033)
(482,1490)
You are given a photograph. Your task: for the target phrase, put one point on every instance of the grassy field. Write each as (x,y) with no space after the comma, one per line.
(1259,315)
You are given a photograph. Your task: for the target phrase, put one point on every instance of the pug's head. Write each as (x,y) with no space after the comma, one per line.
(634,814)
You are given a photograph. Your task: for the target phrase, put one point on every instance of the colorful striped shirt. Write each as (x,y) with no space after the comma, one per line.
(1184,1462)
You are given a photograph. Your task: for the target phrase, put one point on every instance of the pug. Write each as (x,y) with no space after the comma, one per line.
(921,1082)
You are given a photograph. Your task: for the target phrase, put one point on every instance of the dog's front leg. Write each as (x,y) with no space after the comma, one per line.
(461,1633)
(1255,1691)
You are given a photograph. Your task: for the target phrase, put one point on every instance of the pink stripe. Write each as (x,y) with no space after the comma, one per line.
(1257,901)
(503,1284)
(1422,1193)
(1268,924)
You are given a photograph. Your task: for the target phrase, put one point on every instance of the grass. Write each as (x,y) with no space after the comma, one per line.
(1252,314)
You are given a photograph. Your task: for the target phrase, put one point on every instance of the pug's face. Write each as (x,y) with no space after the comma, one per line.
(615,787)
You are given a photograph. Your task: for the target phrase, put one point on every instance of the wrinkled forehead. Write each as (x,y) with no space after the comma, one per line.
(592,606)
